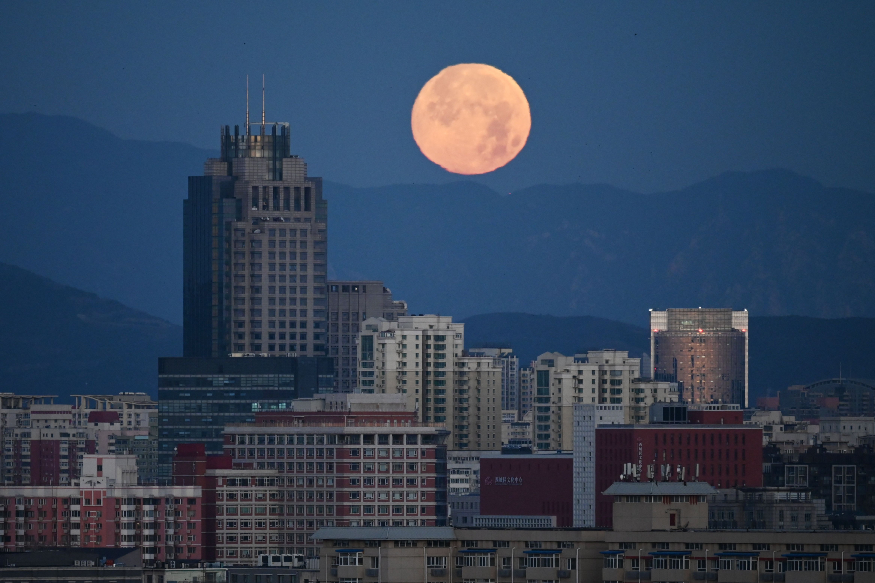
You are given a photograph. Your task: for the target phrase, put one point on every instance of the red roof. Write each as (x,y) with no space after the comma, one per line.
(103,417)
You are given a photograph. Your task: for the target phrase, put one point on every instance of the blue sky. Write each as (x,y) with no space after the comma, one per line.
(642,95)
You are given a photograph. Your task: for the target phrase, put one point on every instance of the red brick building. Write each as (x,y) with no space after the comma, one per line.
(312,469)
(528,485)
(108,509)
(724,456)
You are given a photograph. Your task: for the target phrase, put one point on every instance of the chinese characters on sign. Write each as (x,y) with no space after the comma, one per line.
(508,480)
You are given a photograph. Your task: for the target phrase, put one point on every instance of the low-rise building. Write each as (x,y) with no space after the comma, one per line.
(405,555)
(724,456)
(527,485)
(767,509)
(850,431)
(661,535)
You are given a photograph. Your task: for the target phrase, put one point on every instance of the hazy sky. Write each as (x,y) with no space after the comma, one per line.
(649,96)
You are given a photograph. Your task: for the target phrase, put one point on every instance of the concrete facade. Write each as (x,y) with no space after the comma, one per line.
(422,357)
(604,377)
(349,304)
(456,554)
(586,418)
(255,246)
(335,468)
(510,379)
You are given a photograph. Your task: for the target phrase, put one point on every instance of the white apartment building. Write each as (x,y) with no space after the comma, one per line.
(599,377)
(414,355)
(588,416)
(463,472)
(422,357)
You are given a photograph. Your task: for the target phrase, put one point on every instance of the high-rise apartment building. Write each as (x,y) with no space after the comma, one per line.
(199,396)
(349,304)
(475,407)
(414,355)
(599,377)
(254,250)
(704,351)
(510,377)
(603,377)
(422,357)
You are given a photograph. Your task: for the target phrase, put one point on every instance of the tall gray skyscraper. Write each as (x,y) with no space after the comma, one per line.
(255,250)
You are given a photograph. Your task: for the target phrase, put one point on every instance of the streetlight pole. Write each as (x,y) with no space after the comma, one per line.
(577,565)
(639,565)
(512,549)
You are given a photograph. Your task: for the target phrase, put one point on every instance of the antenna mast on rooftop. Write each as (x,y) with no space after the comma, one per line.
(247,105)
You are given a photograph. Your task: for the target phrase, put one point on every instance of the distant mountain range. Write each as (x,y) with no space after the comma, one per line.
(104,214)
(58,340)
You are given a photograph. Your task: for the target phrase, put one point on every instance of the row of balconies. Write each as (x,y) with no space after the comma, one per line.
(540,573)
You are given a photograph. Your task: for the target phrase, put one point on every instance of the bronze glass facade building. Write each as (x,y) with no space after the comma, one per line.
(704,350)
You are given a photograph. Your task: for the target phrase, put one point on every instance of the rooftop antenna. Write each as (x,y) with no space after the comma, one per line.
(247,105)
(262,103)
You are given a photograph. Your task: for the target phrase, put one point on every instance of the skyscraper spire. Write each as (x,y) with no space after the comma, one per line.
(262,103)
(247,105)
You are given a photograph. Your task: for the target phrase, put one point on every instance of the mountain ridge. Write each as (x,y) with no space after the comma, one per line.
(60,340)
(104,214)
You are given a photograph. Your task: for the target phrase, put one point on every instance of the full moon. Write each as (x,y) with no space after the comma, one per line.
(471,119)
